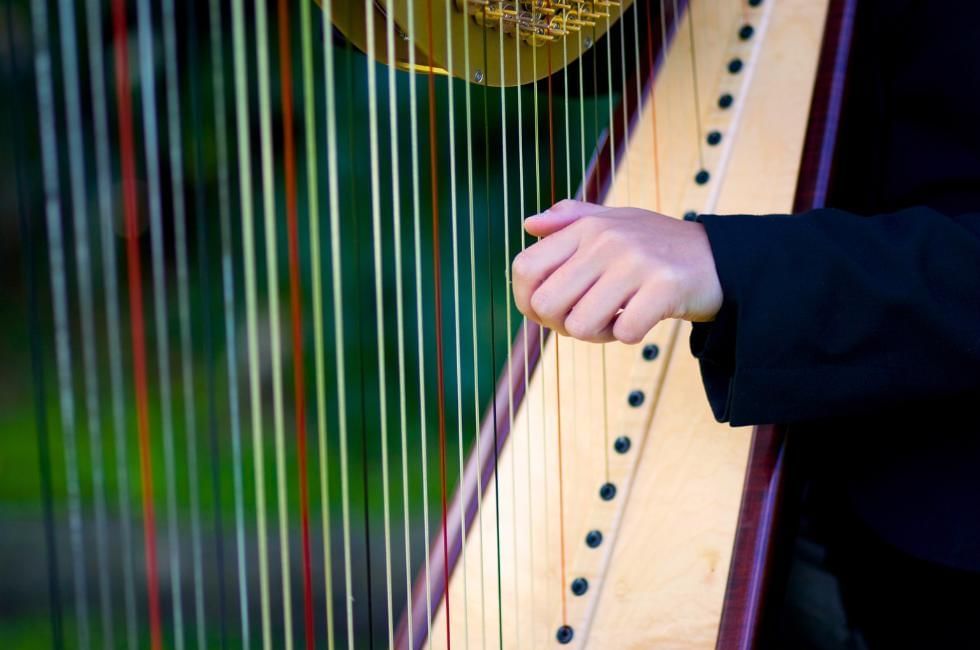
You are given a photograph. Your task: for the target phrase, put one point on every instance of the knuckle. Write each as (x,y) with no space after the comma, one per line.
(542,302)
(627,332)
(521,266)
(577,327)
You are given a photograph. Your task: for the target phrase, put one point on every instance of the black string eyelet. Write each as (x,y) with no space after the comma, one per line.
(593,539)
(635,398)
(690,215)
(564,635)
(735,65)
(702,177)
(725,101)
(622,444)
(607,491)
(714,138)
(746,32)
(651,351)
(580,586)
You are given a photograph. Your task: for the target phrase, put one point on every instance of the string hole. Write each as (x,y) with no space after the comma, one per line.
(636,398)
(622,444)
(593,538)
(478,76)
(650,350)
(714,138)
(746,31)
(725,101)
(564,635)
(607,491)
(755,3)
(580,586)
(587,43)
(735,65)
(702,177)
(690,215)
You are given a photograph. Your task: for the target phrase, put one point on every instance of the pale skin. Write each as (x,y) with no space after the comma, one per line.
(602,274)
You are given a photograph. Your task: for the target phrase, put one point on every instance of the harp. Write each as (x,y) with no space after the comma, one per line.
(398,460)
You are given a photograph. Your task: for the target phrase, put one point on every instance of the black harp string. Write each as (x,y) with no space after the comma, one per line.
(467,76)
(542,332)
(359,334)
(204,303)
(502,72)
(179,213)
(492,319)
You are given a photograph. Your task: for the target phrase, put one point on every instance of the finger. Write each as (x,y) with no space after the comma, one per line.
(560,215)
(556,296)
(593,313)
(645,309)
(536,263)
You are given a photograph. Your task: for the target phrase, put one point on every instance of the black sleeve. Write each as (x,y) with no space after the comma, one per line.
(827,314)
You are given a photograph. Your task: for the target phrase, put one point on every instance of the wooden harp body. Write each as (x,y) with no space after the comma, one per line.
(666,539)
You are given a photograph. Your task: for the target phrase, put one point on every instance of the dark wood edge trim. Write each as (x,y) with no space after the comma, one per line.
(482,460)
(752,555)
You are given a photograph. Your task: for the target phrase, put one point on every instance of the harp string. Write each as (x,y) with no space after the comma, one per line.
(359,343)
(454,222)
(59,299)
(468,74)
(379,303)
(251,311)
(493,335)
(174,135)
(510,361)
(319,351)
(275,340)
(336,275)
(296,309)
(399,304)
(541,331)
(525,349)
(83,273)
(653,96)
(436,286)
(204,304)
(419,325)
(33,321)
(561,486)
(694,82)
(103,169)
(151,146)
(612,176)
(636,59)
(623,97)
(127,151)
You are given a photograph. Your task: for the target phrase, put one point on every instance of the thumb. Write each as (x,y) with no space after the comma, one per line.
(560,215)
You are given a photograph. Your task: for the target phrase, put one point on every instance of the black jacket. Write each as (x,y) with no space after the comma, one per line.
(864,331)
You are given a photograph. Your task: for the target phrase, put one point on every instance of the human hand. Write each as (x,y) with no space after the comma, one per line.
(602,274)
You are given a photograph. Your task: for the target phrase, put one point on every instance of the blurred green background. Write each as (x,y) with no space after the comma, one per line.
(26,599)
